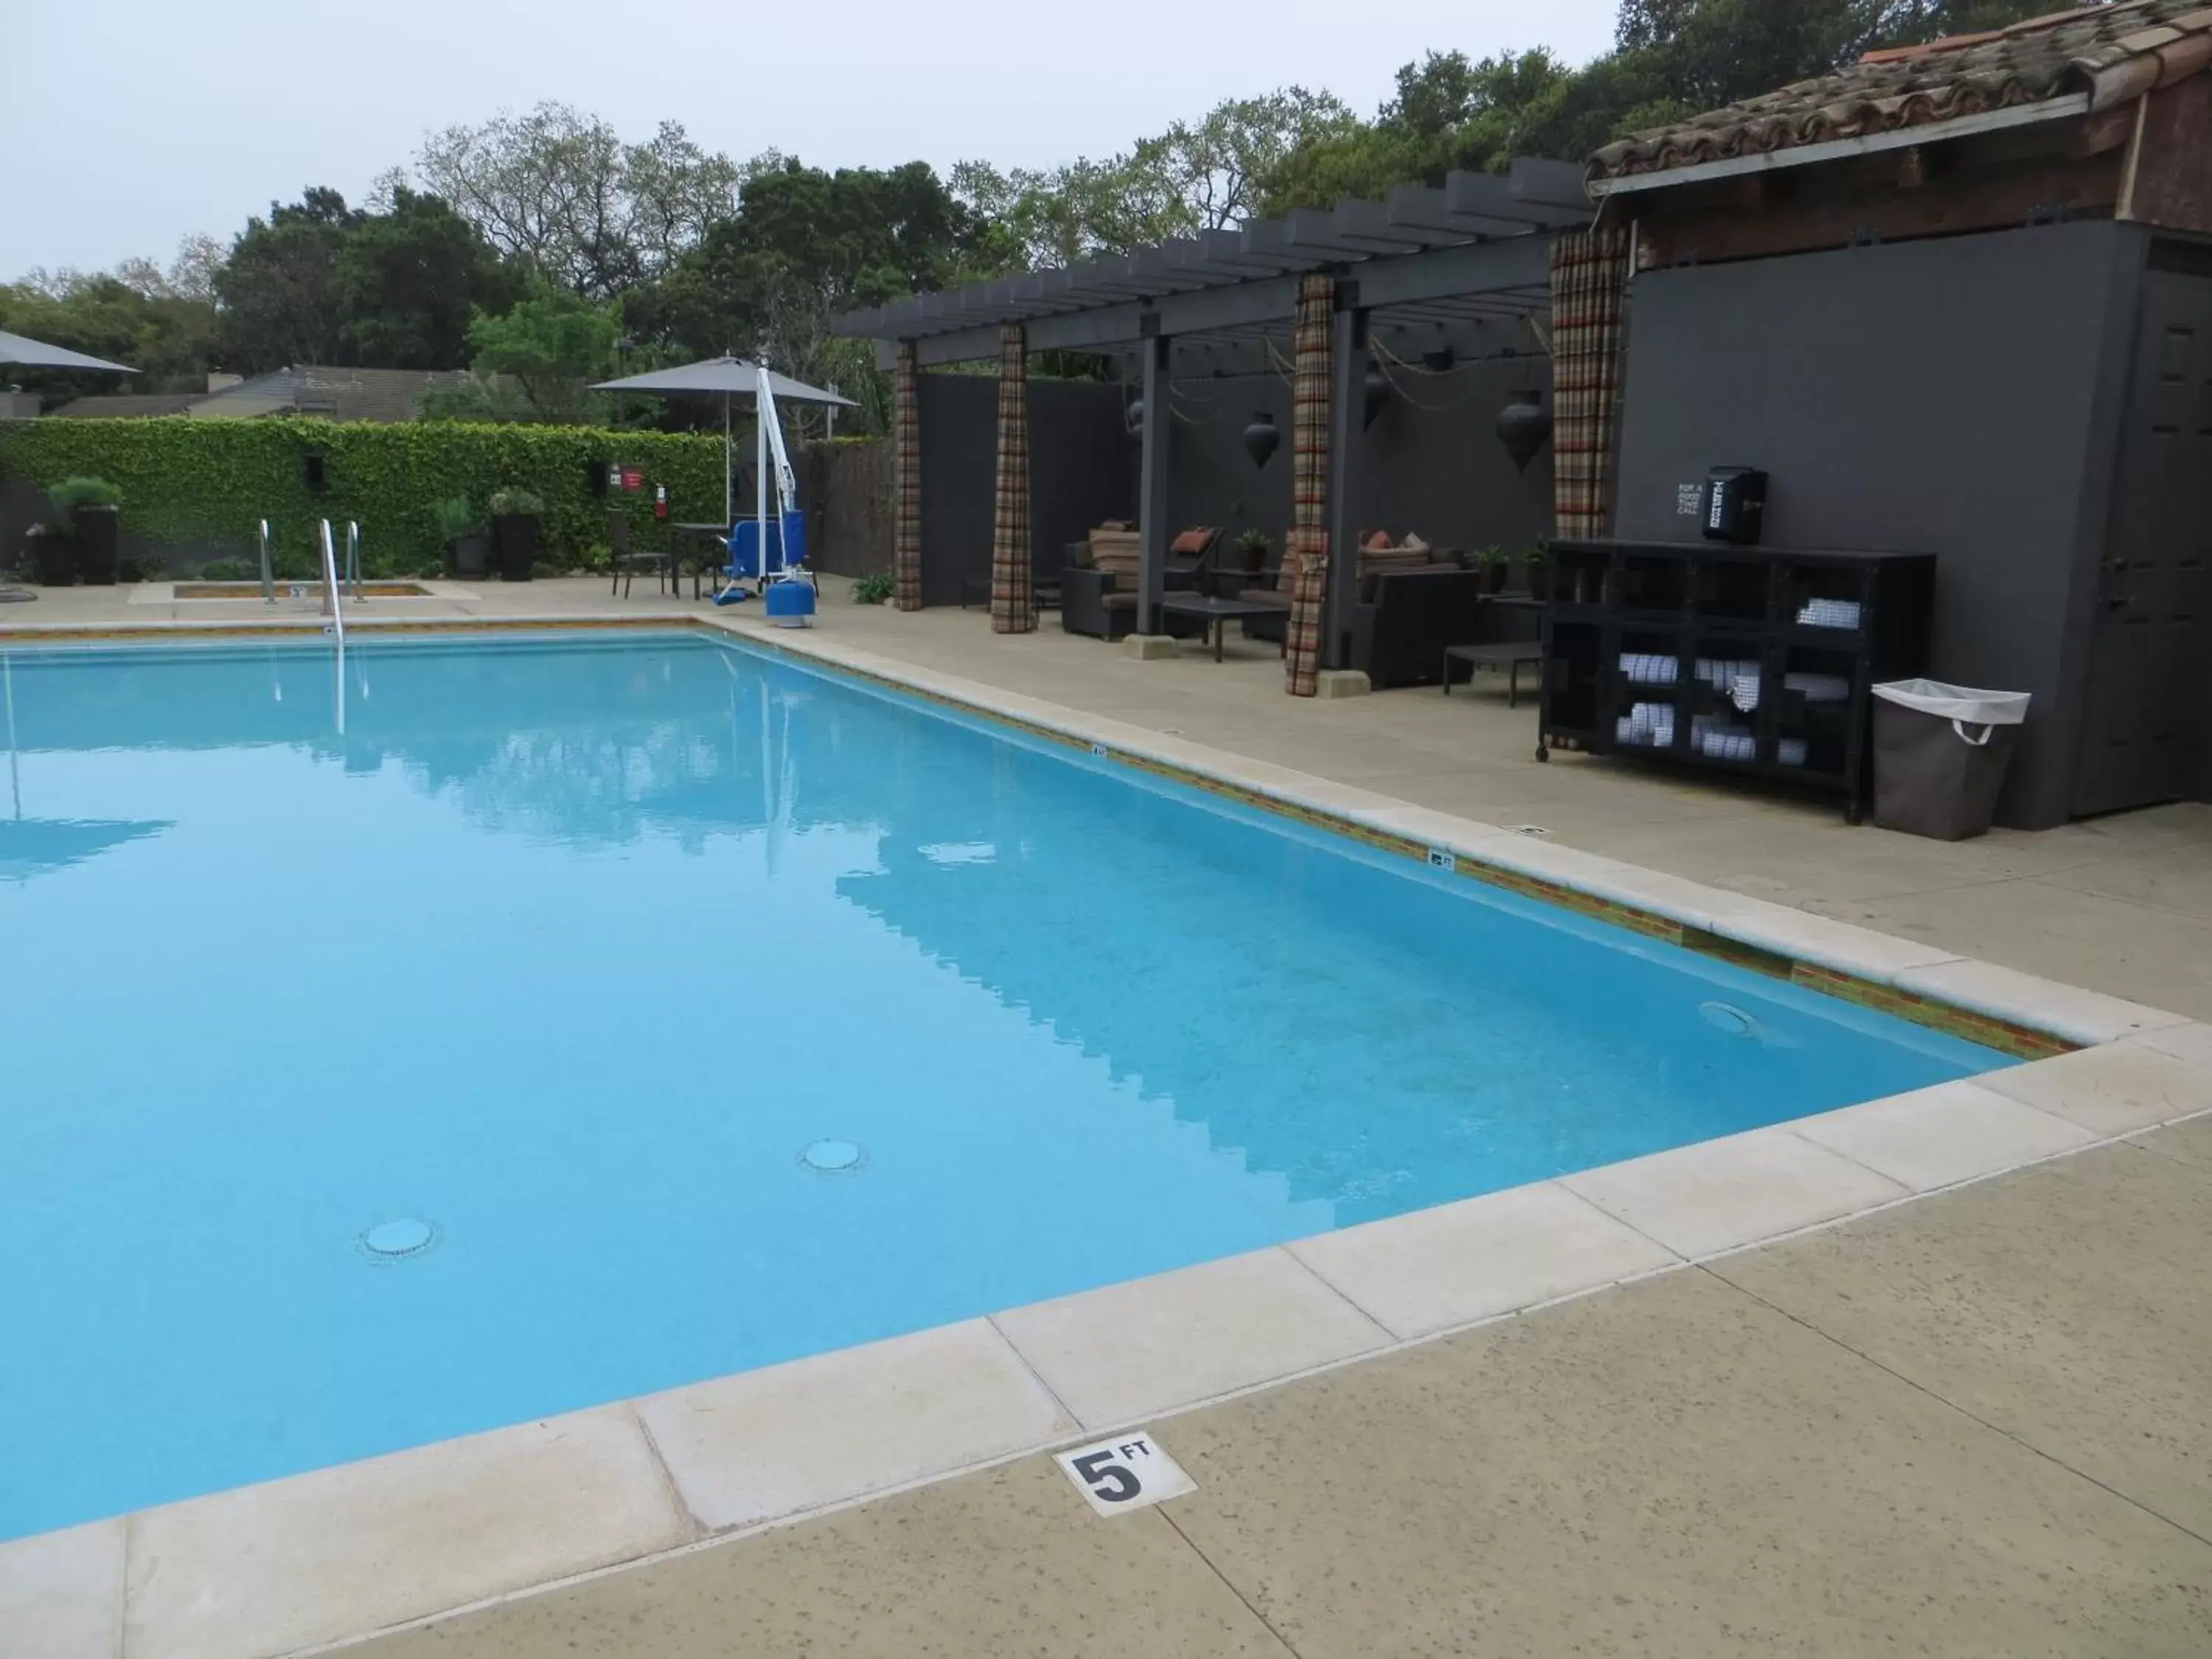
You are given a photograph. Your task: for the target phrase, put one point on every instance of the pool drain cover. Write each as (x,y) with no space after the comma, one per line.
(1727,1016)
(397,1240)
(833,1157)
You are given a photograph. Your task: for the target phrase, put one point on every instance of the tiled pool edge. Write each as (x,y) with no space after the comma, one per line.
(108,1566)
(2014,1012)
(104,1582)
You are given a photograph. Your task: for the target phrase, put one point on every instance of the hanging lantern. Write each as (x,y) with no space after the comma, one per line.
(1261,437)
(1134,416)
(1522,426)
(1377,394)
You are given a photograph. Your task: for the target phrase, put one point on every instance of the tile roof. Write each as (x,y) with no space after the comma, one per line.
(117,405)
(338,394)
(2113,53)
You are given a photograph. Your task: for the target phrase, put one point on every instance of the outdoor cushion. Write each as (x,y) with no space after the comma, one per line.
(1414,543)
(1115,550)
(1375,539)
(1191,541)
(1392,558)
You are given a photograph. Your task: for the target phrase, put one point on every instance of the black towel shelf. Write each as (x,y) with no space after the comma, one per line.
(1707,599)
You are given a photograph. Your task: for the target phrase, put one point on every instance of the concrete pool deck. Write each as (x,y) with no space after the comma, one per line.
(1703,1463)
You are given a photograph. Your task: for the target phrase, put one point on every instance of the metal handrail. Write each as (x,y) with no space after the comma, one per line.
(353,557)
(330,586)
(268,576)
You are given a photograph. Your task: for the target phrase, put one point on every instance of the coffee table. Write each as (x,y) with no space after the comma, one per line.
(1508,656)
(1216,613)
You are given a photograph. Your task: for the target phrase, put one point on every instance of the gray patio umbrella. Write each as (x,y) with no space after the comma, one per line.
(16,351)
(730,378)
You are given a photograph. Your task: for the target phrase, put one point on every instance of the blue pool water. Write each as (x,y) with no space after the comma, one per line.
(592,1016)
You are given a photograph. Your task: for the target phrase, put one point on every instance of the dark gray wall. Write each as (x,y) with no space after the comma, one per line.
(1082,470)
(1953,396)
(1431,463)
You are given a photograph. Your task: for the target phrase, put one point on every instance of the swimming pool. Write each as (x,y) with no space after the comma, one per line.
(663,1009)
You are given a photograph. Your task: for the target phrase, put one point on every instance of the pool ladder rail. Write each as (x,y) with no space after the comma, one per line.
(352,560)
(333,600)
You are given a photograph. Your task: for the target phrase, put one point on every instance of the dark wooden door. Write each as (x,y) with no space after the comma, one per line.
(2148,690)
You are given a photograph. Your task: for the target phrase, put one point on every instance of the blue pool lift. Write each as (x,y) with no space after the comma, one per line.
(768,550)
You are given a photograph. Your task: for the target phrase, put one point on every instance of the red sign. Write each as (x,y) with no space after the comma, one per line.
(632,477)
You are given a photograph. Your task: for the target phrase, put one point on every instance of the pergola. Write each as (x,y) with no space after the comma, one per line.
(1330,282)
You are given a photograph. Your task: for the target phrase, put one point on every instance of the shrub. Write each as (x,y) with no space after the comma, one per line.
(523,501)
(71,494)
(189,481)
(228,570)
(875,587)
(457,517)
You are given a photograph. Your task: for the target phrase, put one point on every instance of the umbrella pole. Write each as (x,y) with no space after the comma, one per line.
(729,505)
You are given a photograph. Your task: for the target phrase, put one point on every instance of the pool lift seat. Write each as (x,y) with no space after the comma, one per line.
(770,551)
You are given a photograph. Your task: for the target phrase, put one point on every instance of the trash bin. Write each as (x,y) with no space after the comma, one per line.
(1940,754)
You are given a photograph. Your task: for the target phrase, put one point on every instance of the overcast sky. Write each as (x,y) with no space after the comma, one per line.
(128,124)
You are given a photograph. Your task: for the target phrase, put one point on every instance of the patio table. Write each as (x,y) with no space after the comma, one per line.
(1508,655)
(1216,613)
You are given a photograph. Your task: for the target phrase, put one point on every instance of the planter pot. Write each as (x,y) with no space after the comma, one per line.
(98,531)
(1540,581)
(472,556)
(1493,578)
(1252,558)
(53,561)
(516,534)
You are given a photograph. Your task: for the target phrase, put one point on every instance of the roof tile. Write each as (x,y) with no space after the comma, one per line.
(2112,52)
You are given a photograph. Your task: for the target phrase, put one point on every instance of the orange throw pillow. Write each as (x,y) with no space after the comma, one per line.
(1191,541)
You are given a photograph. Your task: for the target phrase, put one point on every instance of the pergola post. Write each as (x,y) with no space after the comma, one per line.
(1348,399)
(906,536)
(1152,487)
(1013,606)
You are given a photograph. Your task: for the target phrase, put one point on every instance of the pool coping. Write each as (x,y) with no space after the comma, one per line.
(332,1556)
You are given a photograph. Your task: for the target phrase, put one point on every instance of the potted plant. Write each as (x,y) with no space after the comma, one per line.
(461,527)
(514,516)
(50,551)
(85,514)
(1536,566)
(1253,547)
(1492,562)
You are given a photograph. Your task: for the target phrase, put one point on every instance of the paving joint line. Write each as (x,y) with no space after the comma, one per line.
(1941,1398)
(1266,1623)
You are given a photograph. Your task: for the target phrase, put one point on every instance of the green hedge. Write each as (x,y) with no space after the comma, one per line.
(185,480)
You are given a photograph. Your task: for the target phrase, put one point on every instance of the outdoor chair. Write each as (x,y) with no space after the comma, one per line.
(627,560)
(1098,587)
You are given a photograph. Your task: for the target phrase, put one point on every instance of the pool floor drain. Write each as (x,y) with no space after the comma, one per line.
(1727,1016)
(397,1240)
(833,1157)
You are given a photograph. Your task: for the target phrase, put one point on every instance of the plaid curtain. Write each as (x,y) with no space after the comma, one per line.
(1308,544)
(1013,610)
(1589,268)
(906,542)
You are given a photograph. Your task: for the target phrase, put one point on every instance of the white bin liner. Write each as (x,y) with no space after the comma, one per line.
(1964,706)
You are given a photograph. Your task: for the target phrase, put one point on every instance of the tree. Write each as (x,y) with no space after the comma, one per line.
(1450,112)
(1191,177)
(548,347)
(803,246)
(1673,58)
(411,280)
(282,297)
(135,317)
(558,190)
